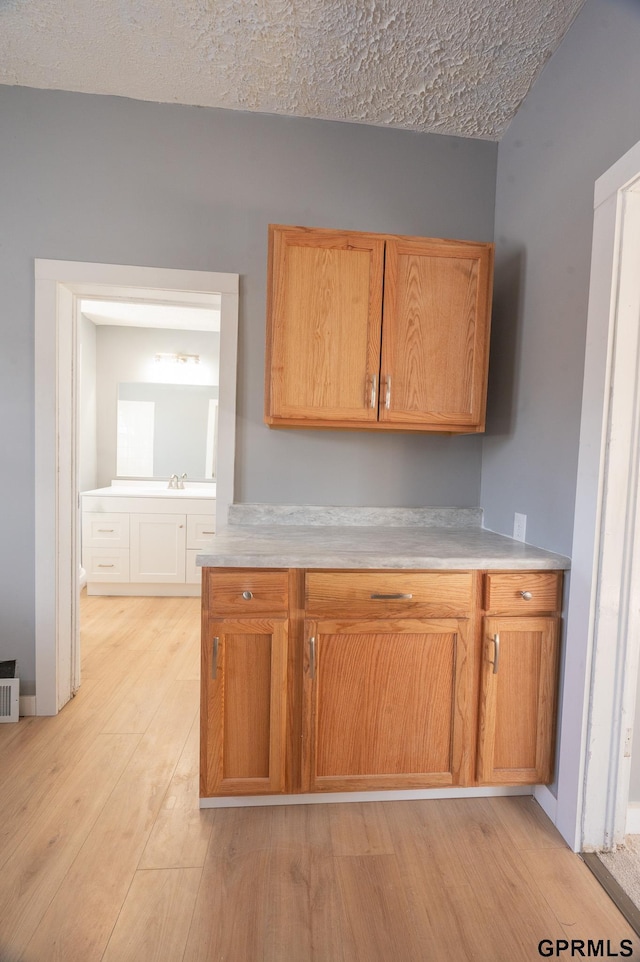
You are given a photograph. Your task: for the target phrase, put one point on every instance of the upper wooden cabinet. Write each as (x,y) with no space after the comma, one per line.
(377,331)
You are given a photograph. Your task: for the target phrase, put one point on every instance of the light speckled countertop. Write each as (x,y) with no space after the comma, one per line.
(388,538)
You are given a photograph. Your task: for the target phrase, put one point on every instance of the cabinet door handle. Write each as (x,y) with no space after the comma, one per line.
(105,566)
(396,597)
(312,657)
(527,595)
(214,658)
(387,396)
(496,654)
(373,402)
(208,532)
(105,530)
(247,595)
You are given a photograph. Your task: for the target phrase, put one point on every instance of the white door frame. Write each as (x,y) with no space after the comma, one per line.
(603,623)
(58,287)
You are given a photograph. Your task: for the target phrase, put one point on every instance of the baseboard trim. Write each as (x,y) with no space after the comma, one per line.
(27,705)
(322,798)
(547,801)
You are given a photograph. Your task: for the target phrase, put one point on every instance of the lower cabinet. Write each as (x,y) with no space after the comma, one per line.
(352,681)
(131,544)
(518,700)
(380,703)
(157,551)
(244,699)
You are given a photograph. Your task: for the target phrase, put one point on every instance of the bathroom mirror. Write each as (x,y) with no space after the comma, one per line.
(165,429)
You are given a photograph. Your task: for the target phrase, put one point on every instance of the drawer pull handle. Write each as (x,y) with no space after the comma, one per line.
(496,654)
(247,595)
(312,657)
(396,597)
(526,595)
(106,566)
(105,530)
(208,532)
(214,658)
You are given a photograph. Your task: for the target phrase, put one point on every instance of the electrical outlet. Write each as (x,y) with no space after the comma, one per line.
(519,526)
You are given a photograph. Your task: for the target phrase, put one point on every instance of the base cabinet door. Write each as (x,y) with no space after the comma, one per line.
(157,553)
(383,704)
(243,700)
(518,700)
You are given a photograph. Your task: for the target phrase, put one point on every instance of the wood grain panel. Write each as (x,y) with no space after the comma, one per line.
(437,593)
(243,707)
(247,706)
(324,319)
(223,591)
(435,331)
(516,731)
(518,703)
(386,704)
(504,592)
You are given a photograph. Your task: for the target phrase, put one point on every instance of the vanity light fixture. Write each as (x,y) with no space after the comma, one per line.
(178,358)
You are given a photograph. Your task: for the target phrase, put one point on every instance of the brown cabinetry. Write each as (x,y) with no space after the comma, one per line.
(377,331)
(243,683)
(386,679)
(325,681)
(382,704)
(520,643)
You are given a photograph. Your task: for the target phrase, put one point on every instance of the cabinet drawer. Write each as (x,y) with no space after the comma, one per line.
(523,592)
(106,564)
(105,530)
(200,530)
(380,593)
(245,591)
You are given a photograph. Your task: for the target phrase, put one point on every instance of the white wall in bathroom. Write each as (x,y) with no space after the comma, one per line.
(87,460)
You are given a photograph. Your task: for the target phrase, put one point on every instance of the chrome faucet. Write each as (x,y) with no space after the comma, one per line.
(182,481)
(173,482)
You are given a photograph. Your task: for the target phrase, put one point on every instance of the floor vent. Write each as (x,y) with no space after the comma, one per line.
(9,699)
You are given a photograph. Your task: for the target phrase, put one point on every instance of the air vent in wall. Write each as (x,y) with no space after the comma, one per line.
(9,699)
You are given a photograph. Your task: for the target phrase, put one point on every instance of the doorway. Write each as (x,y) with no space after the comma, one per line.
(603,626)
(59,287)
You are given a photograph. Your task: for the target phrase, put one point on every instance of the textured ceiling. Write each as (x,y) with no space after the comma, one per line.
(448,66)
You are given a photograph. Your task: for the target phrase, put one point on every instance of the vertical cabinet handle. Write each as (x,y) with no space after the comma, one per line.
(214,658)
(312,657)
(387,397)
(374,391)
(496,653)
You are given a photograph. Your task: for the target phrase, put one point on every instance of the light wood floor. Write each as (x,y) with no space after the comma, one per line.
(105,855)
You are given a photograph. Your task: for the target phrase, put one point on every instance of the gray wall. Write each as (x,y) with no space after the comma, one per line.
(111,180)
(580,117)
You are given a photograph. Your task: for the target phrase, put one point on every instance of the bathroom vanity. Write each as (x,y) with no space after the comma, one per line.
(143,538)
(407,650)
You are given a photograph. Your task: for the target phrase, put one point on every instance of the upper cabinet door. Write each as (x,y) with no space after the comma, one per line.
(324,319)
(437,303)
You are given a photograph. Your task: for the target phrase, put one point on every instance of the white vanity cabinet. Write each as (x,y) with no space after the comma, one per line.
(157,548)
(144,545)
